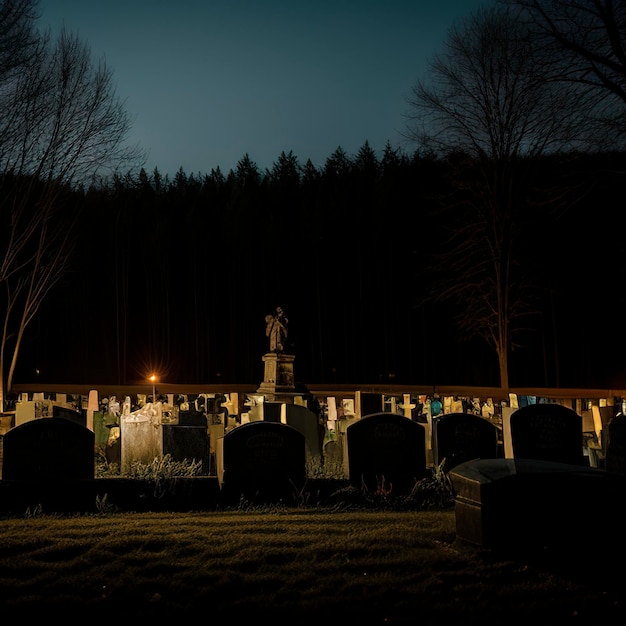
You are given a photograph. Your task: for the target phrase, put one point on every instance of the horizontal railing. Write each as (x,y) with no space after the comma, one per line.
(321,391)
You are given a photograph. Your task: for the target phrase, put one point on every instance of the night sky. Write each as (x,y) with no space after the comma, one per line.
(207,81)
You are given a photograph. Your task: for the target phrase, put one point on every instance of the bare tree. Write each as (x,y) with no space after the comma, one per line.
(61,126)
(17,37)
(490,108)
(588,37)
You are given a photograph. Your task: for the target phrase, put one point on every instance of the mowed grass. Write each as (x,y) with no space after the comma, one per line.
(292,566)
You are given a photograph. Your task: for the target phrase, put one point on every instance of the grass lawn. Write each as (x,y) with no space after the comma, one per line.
(289,566)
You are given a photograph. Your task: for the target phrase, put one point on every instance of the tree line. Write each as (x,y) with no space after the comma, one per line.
(477,259)
(177,277)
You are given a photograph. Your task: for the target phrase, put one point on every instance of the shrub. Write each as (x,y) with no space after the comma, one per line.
(434,492)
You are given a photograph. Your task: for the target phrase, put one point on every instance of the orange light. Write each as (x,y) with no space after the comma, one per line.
(153,378)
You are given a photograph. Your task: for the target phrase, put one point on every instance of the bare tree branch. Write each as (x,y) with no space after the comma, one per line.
(491,108)
(61,126)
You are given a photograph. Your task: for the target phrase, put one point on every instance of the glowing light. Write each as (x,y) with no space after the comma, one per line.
(154,379)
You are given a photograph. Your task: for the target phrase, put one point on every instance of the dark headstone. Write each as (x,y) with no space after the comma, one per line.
(333,453)
(547,432)
(48,449)
(192,418)
(526,505)
(416,413)
(386,450)
(272,411)
(306,422)
(371,403)
(461,437)
(615,455)
(607,413)
(101,432)
(214,404)
(189,443)
(73,415)
(263,461)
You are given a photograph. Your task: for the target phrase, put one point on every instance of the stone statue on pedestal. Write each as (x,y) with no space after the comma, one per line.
(278,381)
(276,330)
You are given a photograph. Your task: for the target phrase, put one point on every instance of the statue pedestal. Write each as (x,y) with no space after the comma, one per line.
(278,383)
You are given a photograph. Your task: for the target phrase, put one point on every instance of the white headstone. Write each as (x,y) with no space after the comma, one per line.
(92,406)
(507,411)
(406,406)
(597,421)
(331,403)
(24,412)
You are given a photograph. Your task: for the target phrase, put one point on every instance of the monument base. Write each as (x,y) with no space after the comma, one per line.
(278,382)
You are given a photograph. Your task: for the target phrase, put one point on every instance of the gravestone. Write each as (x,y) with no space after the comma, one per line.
(333,455)
(615,455)
(272,411)
(101,432)
(48,449)
(73,415)
(192,418)
(141,437)
(305,421)
(93,406)
(547,432)
(331,408)
(24,412)
(525,505)
(6,422)
(386,449)
(368,403)
(461,437)
(189,443)
(263,461)
(602,416)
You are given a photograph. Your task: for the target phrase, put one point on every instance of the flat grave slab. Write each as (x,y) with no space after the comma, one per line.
(523,504)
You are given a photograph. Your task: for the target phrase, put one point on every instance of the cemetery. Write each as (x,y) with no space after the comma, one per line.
(526,468)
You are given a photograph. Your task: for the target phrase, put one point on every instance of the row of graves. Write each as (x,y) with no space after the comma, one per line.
(138,430)
(191,426)
(529,474)
(522,475)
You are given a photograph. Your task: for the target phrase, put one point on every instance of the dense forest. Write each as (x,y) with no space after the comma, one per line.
(490,256)
(177,276)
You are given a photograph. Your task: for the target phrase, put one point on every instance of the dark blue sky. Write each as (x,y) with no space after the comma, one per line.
(207,81)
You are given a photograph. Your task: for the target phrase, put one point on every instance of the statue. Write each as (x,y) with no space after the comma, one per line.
(276,330)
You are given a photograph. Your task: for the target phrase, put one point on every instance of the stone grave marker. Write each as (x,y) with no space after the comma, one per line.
(189,443)
(192,418)
(262,461)
(101,432)
(528,504)
(615,456)
(333,455)
(368,403)
(272,411)
(331,407)
(24,411)
(602,416)
(461,437)
(306,422)
(48,449)
(547,432)
(73,415)
(386,450)
(141,436)
(93,406)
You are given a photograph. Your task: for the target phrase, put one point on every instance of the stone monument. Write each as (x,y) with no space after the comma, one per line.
(278,382)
